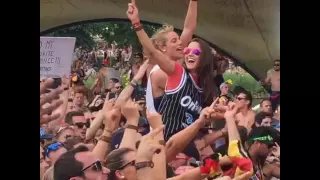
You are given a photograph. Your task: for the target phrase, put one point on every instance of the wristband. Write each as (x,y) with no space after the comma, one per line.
(136,25)
(105,139)
(130,126)
(138,28)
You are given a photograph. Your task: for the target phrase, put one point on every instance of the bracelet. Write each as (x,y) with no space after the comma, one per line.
(144,164)
(105,139)
(130,126)
(133,83)
(138,28)
(136,25)
(136,82)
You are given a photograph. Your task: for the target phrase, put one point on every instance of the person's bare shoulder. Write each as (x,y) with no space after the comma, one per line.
(159,78)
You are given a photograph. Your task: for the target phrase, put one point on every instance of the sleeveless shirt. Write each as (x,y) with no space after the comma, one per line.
(181,106)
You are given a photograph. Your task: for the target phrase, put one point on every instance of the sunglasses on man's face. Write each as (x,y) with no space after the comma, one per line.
(96,166)
(118,87)
(195,51)
(81,125)
(276,65)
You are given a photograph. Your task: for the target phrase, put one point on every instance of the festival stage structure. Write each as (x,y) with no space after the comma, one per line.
(248,30)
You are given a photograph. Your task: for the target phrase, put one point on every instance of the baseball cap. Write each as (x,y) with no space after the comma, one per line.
(267,135)
(43,134)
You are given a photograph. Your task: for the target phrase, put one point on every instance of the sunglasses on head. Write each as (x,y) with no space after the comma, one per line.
(53,147)
(240,98)
(92,118)
(195,51)
(96,166)
(81,124)
(64,127)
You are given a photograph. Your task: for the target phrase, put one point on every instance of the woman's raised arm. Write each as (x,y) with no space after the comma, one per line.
(157,56)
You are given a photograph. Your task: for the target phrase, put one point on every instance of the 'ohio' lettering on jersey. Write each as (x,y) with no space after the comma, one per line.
(187,102)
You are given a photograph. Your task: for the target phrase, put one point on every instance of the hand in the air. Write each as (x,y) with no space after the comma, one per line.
(133,12)
(51,100)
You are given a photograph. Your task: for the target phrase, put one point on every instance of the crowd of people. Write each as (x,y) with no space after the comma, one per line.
(174,118)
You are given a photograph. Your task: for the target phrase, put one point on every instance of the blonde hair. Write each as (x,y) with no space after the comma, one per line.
(159,37)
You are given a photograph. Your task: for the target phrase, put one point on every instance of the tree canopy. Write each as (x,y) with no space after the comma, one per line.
(119,32)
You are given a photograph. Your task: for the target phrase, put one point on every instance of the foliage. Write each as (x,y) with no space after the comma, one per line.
(83,33)
(119,32)
(123,34)
(248,82)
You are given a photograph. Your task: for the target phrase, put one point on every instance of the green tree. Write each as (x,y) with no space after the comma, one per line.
(119,32)
(123,34)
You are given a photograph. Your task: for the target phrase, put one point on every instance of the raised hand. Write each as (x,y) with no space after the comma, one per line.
(154,119)
(112,115)
(231,112)
(133,12)
(208,111)
(149,146)
(62,109)
(142,71)
(51,100)
(130,110)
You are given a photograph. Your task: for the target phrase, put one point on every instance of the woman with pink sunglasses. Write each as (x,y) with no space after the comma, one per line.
(190,87)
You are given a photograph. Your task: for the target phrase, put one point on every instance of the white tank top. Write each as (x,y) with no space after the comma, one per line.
(149,96)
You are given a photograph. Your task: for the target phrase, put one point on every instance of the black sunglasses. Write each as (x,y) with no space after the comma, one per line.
(96,166)
(80,124)
(276,64)
(240,98)
(131,163)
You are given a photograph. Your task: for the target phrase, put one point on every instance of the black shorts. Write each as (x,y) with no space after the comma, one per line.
(275,99)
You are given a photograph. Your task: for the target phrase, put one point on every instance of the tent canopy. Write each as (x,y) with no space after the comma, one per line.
(249,30)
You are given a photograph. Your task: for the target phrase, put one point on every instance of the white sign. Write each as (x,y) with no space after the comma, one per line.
(56,55)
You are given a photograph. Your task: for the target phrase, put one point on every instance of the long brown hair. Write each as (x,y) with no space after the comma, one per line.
(205,72)
(101,79)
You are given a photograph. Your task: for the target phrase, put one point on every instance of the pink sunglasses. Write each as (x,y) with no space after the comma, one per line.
(195,51)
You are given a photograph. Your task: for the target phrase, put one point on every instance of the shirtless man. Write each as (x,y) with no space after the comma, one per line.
(246,116)
(274,79)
